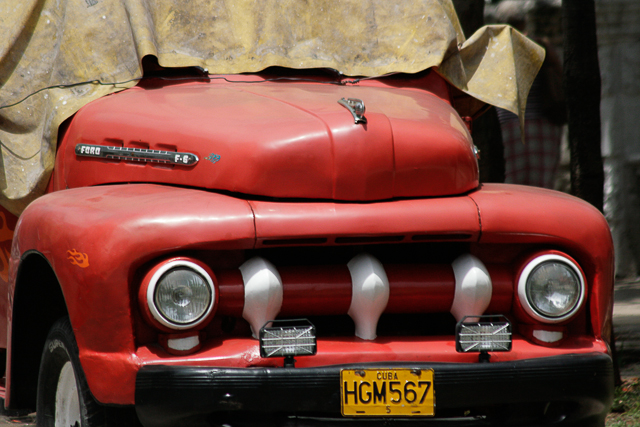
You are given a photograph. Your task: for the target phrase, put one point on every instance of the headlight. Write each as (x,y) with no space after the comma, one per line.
(180,294)
(551,288)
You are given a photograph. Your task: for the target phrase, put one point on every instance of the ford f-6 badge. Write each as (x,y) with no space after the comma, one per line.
(136,154)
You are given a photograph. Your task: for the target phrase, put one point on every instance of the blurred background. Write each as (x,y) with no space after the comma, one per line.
(617,30)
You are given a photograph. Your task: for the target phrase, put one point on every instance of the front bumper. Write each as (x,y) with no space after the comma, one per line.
(559,390)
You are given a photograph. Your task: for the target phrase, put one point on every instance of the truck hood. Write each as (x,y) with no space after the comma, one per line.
(278,139)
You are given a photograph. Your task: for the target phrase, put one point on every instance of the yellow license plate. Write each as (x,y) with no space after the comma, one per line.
(387,392)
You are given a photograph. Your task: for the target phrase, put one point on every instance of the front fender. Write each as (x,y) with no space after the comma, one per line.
(94,238)
(511,213)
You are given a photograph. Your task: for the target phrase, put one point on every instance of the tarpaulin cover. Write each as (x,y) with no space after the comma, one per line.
(58,55)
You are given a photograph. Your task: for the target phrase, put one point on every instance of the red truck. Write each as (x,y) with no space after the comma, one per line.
(299,249)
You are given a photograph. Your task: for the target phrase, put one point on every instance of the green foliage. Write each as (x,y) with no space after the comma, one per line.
(626,405)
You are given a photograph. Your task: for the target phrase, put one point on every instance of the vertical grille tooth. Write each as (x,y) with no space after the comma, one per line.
(369,296)
(365,290)
(473,287)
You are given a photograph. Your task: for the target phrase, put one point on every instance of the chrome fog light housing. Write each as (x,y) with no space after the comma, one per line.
(180,294)
(551,288)
(288,338)
(483,334)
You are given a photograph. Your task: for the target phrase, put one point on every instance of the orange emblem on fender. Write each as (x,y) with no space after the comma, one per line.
(77,258)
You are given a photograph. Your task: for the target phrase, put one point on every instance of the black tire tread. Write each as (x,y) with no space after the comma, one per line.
(93,414)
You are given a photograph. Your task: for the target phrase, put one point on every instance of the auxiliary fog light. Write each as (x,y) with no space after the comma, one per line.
(483,334)
(288,338)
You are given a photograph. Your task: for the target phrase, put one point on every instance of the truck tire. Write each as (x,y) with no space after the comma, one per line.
(63,397)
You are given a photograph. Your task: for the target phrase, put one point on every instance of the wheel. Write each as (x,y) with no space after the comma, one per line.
(63,397)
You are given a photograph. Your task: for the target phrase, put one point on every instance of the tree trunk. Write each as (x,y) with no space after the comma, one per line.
(486,131)
(582,92)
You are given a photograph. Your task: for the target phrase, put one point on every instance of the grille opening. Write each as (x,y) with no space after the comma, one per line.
(286,242)
(369,239)
(440,237)
(398,253)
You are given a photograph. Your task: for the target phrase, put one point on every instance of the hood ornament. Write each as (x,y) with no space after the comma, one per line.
(356,108)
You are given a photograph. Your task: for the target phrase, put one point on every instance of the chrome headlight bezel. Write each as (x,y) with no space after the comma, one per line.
(151,294)
(528,305)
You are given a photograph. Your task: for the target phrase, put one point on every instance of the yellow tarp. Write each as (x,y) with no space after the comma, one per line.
(49,43)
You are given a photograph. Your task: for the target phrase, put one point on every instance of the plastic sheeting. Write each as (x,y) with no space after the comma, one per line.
(58,55)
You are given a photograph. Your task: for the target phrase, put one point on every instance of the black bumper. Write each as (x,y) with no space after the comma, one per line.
(562,390)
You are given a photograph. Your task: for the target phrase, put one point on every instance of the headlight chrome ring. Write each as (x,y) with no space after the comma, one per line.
(551,288)
(180,295)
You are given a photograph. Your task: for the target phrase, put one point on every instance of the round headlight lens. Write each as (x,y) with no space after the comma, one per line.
(183,296)
(553,289)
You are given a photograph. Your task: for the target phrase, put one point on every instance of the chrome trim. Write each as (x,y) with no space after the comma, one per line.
(136,154)
(262,292)
(369,294)
(522,288)
(356,108)
(473,289)
(151,289)
(288,338)
(480,332)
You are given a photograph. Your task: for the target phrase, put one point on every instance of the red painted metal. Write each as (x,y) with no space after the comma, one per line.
(315,290)
(502,282)
(280,140)
(554,219)
(400,220)
(314,179)
(231,289)
(244,352)
(425,288)
(7,225)
(122,227)
(420,288)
